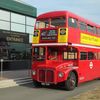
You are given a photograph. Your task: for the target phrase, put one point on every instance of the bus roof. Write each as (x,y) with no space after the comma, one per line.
(52,14)
(65,13)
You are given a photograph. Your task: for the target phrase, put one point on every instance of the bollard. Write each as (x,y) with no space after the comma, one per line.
(1,72)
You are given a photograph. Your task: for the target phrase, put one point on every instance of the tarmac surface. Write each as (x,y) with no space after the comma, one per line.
(28,92)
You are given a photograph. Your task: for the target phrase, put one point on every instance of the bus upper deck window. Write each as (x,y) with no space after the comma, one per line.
(58,22)
(98,31)
(72,22)
(82,26)
(90,28)
(42,24)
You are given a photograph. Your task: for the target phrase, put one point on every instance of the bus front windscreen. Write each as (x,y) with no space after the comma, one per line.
(38,53)
(52,53)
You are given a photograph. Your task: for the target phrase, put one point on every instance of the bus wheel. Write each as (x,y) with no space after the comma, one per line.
(36,84)
(71,82)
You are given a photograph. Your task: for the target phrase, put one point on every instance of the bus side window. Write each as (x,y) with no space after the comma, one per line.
(83,55)
(82,26)
(65,55)
(90,55)
(98,31)
(70,55)
(72,22)
(95,31)
(90,28)
(36,51)
(98,55)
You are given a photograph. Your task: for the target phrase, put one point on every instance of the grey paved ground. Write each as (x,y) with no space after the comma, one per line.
(28,92)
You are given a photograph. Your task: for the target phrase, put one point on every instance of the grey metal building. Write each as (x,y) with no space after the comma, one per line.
(16,28)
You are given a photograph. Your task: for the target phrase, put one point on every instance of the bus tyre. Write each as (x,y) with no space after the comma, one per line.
(70,83)
(36,84)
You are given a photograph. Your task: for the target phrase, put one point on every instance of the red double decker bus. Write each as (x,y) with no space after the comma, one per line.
(65,50)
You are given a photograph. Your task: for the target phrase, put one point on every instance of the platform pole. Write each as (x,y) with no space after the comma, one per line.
(1,71)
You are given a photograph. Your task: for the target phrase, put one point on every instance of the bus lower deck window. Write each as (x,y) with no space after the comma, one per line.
(83,55)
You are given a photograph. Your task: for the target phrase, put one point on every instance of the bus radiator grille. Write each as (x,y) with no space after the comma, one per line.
(46,76)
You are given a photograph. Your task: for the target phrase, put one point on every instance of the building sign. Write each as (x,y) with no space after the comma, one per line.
(88,39)
(11,36)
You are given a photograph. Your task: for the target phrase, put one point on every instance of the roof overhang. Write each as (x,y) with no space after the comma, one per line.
(18,7)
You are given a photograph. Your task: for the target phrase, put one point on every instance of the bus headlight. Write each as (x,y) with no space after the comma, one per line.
(61,74)
(33,72)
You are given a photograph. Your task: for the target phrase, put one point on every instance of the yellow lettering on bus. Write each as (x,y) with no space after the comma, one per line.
(88,39)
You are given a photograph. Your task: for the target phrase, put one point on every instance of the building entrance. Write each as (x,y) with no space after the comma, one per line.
(15,51)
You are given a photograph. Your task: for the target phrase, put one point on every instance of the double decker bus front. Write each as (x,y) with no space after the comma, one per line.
(51,55)
(45,61)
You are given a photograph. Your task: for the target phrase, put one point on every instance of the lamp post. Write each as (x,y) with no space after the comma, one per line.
(1,72)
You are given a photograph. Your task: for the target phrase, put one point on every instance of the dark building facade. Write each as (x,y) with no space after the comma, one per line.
(16,28)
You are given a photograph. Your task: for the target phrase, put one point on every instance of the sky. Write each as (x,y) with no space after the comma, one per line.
(89,9)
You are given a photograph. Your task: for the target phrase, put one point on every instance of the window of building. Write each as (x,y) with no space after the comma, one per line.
(17,51)
(17,18)
(4,15)
(17,27)
(30,38)
(82,26)
(3,53)
(30,21)
(29,29)
(17,22)
(4,25)
(83,55)
(72,22)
